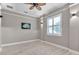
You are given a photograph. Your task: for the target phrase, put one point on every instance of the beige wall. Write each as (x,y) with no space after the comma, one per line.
(0,27)
(0,33)
(64,39)
(74,33)
(11,28)
(74,29)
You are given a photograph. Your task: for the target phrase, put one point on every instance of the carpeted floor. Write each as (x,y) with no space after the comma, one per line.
(34,48)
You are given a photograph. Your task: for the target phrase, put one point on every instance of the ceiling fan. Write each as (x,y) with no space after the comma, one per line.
(36,5)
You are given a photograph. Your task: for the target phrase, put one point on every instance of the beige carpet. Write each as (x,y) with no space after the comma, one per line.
(34,48)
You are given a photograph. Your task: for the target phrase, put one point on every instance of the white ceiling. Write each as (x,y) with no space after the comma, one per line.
(36,13)
(74,8)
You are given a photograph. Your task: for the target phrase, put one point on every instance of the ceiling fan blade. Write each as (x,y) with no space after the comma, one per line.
(29,3)
(31,7)
(38,7)
(41,4)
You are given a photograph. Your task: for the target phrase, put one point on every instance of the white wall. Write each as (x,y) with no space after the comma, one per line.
(11,28)
(74,33)
(74,28)
(0,28)
(0,34)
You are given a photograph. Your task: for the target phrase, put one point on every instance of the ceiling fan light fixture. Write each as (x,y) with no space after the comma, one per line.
(37,5)
(31,7)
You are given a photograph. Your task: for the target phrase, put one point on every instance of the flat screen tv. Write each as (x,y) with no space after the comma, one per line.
(25,25)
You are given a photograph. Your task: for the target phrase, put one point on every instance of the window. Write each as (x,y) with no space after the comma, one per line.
(57,24)
(49,26)
(54,25)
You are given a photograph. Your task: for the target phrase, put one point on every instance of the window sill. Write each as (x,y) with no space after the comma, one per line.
(54,34)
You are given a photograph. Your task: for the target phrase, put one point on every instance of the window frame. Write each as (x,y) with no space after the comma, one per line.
(49,26)
(55,34)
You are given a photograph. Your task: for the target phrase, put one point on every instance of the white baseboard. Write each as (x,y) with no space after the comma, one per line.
(73,51)
(15,43)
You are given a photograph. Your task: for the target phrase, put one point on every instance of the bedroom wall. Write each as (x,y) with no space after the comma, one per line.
(0,28)
(64,39)
(74,33)
(0,34)
(74,29)
(11,28)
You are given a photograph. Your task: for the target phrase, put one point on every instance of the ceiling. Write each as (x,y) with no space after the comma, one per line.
(74,8)
(24,8)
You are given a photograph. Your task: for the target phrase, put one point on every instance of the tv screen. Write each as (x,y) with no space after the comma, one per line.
(25,25)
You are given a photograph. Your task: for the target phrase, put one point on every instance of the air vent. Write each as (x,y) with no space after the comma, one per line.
(8,6)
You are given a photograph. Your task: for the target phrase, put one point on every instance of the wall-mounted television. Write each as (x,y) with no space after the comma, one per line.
(25,25)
